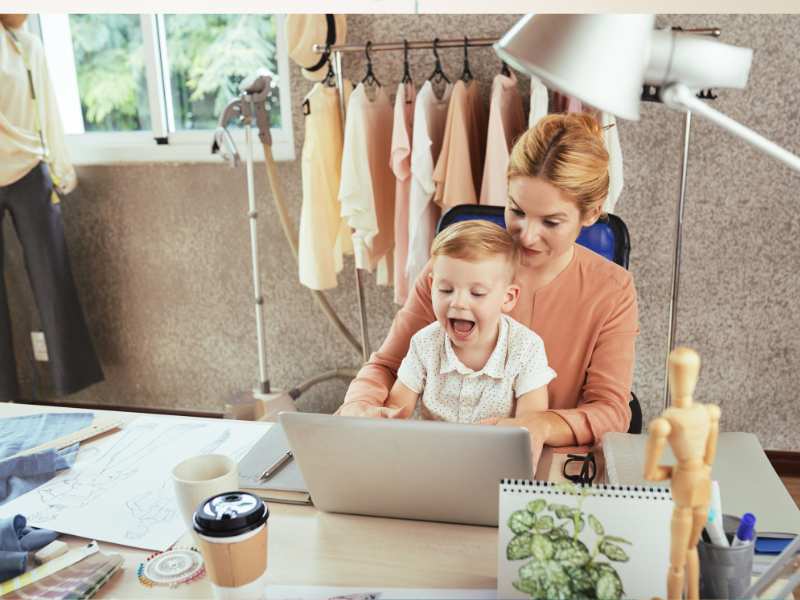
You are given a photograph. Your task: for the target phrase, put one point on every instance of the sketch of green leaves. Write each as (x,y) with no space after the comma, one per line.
(521,521)
(520,547)
(613,552)
(596,525)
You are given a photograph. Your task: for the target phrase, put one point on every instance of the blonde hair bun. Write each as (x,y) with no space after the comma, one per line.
(568,151)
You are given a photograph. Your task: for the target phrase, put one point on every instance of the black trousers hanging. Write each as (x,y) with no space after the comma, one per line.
(40,230)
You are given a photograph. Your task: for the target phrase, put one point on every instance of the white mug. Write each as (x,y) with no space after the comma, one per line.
(199,477)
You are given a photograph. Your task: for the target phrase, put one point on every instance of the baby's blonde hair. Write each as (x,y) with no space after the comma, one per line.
(475,240)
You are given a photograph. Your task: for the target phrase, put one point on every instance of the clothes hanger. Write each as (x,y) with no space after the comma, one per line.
(466,74)
(330,76)
(406,69)
(438,74)
(369,78)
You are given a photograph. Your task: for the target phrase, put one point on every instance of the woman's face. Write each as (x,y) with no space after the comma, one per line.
(543,219)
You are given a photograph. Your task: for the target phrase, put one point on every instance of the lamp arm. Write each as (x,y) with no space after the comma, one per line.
(679,97)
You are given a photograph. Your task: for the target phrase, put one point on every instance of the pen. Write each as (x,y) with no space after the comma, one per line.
(270,470)
(745,532)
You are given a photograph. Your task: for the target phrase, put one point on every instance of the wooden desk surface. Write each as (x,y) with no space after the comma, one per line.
(310,547)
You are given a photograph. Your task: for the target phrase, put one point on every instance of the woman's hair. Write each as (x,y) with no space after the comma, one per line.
(567,151)
(475,240)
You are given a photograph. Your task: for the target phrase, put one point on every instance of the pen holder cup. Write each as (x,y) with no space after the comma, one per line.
(725,572)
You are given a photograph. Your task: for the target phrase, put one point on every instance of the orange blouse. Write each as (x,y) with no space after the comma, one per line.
(588,318)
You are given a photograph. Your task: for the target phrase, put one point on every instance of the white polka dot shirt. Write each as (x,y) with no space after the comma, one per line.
(451,391)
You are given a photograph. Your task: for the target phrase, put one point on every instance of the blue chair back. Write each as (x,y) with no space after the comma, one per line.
(608,237)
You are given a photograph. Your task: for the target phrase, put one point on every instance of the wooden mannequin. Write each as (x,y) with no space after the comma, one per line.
(691,430)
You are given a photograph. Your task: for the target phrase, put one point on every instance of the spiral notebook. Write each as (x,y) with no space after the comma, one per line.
(567,541)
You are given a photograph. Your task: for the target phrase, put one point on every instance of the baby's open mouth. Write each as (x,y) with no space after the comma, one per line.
(462,326)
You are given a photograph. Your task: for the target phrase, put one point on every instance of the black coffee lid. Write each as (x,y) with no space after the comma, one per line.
(229,514)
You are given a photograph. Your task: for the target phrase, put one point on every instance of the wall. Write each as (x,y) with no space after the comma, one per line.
(161,252)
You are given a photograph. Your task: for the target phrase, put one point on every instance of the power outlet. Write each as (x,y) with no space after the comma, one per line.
(39,346)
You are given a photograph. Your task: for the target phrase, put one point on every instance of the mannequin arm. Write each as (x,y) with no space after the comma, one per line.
(659,430)
(713,434)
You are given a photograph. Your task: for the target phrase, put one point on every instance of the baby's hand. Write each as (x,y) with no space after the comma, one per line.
(364,409)
(489,421)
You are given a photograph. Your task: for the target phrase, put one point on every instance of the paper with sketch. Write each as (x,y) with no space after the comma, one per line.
(561,541)
(120,488)
(312,592)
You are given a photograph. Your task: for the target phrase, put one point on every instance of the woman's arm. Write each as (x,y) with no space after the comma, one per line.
(372,384)
(604,401)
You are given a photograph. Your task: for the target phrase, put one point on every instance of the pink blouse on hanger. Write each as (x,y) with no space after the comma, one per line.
(506,124)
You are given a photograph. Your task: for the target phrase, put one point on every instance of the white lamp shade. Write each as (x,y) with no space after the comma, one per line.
(599,59)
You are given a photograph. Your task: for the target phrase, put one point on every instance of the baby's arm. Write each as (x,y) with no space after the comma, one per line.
(402,399)
(531,402)
(530,387)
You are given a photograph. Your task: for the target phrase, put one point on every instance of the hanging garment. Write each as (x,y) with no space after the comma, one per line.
(73,362)
(615,179)
(563,103)
(430,116)
(324,235)
(21,146)
(478,124)
(539,101)
(506,124)
(401,167)
(367,186)
(454,177)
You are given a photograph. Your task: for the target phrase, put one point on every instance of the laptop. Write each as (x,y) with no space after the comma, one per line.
(407,469)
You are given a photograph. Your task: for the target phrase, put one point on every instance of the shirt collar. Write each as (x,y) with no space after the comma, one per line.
(494,367)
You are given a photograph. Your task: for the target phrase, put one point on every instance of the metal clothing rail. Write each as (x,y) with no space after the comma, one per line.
(335,55)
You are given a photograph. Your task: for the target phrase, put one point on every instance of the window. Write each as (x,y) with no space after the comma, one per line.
(151,87)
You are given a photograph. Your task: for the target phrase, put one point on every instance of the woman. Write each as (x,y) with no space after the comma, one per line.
(582,305)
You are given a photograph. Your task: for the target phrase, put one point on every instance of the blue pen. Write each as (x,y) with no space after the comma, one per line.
(746,530)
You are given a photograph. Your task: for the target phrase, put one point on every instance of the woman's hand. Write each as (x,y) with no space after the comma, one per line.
(539,429)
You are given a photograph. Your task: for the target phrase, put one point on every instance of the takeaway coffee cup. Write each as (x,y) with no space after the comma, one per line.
(199,477)
(231,531)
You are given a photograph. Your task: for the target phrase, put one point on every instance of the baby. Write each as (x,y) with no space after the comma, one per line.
(474,362)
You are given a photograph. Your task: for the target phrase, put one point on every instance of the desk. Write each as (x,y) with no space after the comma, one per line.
(310,547)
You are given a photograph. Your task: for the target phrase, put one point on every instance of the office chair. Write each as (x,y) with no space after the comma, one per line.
(608,237)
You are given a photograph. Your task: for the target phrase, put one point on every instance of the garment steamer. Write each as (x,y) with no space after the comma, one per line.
(253,104)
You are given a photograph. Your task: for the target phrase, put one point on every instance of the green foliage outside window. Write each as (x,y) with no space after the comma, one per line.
(208,55)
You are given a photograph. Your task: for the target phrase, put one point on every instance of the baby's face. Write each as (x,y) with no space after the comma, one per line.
(469,297)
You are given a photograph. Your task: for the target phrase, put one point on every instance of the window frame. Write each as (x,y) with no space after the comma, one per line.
(103,148)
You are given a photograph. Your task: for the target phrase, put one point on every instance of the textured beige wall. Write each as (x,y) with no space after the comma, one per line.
(161,252)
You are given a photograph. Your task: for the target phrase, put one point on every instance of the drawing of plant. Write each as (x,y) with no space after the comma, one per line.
(559,564)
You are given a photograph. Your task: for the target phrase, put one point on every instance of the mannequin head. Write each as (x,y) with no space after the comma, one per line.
(13,21)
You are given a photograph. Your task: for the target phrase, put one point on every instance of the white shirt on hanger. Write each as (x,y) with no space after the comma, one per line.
(324,236)
(430,116)
(539,101)
(367,183)
(615,179)
(400,163)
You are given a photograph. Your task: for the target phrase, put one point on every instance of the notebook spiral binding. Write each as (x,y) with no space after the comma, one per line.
(602,489)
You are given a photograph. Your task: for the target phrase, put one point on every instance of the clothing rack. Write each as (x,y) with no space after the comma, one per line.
(649,93)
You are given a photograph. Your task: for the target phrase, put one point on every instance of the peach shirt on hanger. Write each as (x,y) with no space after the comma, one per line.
(462,151)
(367,186)
(506,124)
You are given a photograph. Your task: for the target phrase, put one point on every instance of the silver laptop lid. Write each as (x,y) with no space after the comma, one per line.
(410,469)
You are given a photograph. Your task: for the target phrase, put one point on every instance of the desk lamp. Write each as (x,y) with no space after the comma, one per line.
(603,60)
